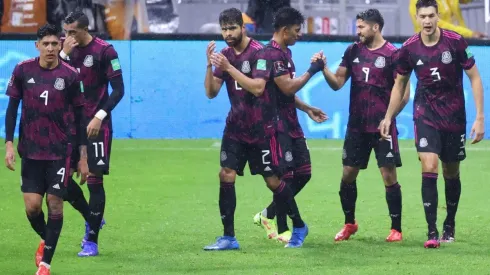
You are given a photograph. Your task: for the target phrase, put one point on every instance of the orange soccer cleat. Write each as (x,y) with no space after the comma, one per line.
(44,269)
(39,253)
(348,230)
(395,236)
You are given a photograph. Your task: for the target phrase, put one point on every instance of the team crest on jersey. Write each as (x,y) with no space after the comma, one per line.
(59,84)
(288,156)
(446,57)
(223,156)
(88,61)
(380,62)
(245,67)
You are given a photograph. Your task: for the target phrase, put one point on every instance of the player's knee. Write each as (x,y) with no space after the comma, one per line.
(450,171)
(55,205)
(272,182)
(349,174)
(33,210)
(227,175)
(430,162)
(389,175)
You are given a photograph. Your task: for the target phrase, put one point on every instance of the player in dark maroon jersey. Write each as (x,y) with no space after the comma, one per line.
(370,63)
(52,105)
(438,57)
(98,64)
(270,78)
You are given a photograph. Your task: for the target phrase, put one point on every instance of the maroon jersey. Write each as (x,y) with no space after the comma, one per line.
(97,62)
(287,106)
(372,75)
(244,119)
(439,98)
(48,100)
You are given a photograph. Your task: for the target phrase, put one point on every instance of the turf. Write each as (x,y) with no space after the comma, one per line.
(162,208)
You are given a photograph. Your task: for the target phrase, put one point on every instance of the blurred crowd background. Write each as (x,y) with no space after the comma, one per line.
(122,19)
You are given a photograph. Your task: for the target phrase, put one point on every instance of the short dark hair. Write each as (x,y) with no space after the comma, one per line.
(230,17)
(287,17)
(372,16)
(47,30)
(426,4)
(77,16)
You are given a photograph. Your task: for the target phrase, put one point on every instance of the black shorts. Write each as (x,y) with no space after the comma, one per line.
(358,147)
(98,153)
(45,176)
(301,152)
(450,146)
(273,157)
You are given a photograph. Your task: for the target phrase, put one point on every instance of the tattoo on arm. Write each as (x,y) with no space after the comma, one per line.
(83,152)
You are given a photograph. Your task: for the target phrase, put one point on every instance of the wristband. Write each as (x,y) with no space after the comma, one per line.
(101,114)
(64,55)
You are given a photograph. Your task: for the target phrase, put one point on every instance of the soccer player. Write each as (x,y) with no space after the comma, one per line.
(52,104)
(98,64)
(438,57)
(370,64)
(270,78)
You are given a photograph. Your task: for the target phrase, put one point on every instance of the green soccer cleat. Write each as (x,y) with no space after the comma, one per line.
(268,224)
(284,237)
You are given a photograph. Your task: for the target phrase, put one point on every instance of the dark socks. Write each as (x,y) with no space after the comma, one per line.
(53,230)
(76,198)
(348,198)
(394,200)
(38,224)
(227,206)
(285,203)
(453,192)
(97,206)
(430,200)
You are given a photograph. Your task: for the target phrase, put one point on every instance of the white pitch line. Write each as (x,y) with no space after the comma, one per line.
(214,148)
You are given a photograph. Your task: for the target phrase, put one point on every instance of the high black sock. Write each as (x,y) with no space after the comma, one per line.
(453,193)
(285,203)
(76,198)
(394,200)
(53,230)
(38,224)
(282,219)
(348,198)
(97,206)
(302,176)
(227,205)
(430,200)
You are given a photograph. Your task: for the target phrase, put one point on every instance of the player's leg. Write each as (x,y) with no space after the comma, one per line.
(388,157)
(355,156)
(32,187)
(428,143)
(453,152)
(232,160)
(74,194)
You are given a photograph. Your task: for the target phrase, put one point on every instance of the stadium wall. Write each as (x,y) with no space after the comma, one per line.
(165,96)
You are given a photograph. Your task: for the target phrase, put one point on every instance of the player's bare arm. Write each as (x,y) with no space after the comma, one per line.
(397,95)
(68,46)
(290,86)
(478,128)
(15,87)
(314,113)
(335,80)
(406,98)
(82,167)
(212,84)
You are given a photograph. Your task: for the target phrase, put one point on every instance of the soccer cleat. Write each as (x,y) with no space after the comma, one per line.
(89,249)
(39,253)
(298,237)
(395,236)
(223,243)
(268,224)
(348,230)
(448,234)
(432,241)
(44,269)
(284,237)
(87,231)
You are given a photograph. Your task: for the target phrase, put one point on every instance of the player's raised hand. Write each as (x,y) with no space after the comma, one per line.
(477,131)
(210,50)
(69,44)
(317,115)
(220,61)
(93,127)
(82,170)
(317,56)
(9,156)
(384,129)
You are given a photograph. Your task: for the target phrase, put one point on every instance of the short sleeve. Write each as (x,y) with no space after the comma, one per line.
(268,64)
(14,86)
(394,62)
(465,57)
(403,65)
(346,58)
(112,66)
(76,92)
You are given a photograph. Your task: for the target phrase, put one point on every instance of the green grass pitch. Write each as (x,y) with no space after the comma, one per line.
(162,208)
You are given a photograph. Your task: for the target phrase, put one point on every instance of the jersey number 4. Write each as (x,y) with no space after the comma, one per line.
(436,76)
(45,95)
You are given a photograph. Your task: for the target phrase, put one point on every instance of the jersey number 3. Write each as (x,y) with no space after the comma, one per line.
(436,76)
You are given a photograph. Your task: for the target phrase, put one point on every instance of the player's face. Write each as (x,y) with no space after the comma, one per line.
(74,31)
(365,31)
(232,34)
(427,17)
(292,34)
(49,48)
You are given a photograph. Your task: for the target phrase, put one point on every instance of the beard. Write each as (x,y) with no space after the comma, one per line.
(235,41)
